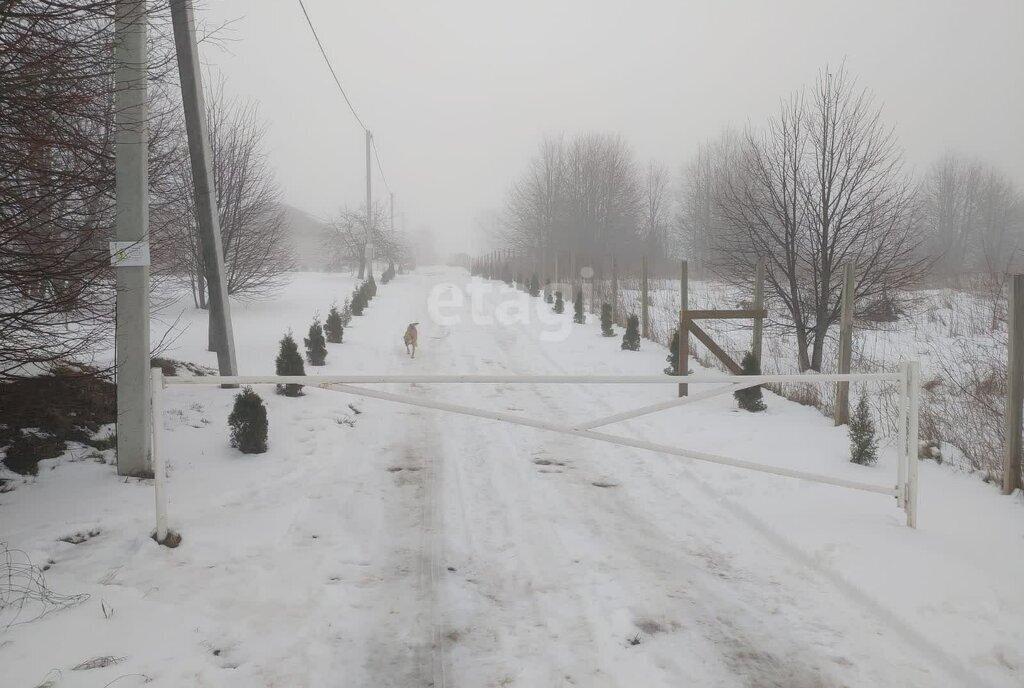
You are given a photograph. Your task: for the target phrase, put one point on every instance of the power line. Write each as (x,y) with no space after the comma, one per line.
(337,81)
(331,67)
(380,168)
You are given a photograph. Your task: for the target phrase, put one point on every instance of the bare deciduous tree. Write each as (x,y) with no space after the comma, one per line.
(583,196)
(350,235)
(822,186)
(257,250)
(654,213)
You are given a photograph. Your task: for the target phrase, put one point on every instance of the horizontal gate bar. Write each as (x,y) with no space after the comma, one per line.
(315,380)
(612,439)
(739,314)
(661,406)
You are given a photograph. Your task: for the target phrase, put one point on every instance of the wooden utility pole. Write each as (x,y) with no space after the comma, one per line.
(755,344)
(1015,388)
(684,330)
(615,293)
(644,328)
(841,415)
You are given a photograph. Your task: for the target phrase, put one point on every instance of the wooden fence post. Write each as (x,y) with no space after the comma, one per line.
(841,414)
(1015,387)
(684,330)
(644,327)
(756,339)
(615,293)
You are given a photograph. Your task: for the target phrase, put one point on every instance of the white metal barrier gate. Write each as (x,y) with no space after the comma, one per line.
(908,379)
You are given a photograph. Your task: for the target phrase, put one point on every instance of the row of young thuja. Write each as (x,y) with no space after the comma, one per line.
(863,438)
(248,420)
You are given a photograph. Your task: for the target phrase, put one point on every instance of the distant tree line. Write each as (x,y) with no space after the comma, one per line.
(820,184)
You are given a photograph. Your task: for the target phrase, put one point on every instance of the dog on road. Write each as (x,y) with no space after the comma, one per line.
(410,339)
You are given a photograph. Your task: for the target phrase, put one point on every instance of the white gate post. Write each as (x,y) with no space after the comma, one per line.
(914,392)
(159,464)
(901,441)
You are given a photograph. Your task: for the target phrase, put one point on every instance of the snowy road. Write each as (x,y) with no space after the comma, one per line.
(577,563)
(386,545)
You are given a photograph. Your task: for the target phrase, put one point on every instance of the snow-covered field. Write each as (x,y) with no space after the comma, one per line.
(384,545)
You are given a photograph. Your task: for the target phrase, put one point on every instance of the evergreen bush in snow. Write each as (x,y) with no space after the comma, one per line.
(750,399)
(333,328)
(631,339)
(316,346)
(606,320)
(371,288)
(577,305)
(559,304)
(248,423)
(548,296)
(358,304)
(863,442)
(535,286)
(346,313)
(289,362)
(673,354)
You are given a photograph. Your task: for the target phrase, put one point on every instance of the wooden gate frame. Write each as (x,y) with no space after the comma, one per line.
(688,326)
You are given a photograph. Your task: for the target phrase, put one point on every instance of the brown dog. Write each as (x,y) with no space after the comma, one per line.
(410,339)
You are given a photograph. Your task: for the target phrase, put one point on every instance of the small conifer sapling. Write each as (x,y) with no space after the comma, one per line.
(863,441)
(333,329)
(289,362)
(577,306)
(606,320)
(673,354)
(316,345)
(559,306)
(248,423)
(750,399)
(631,339)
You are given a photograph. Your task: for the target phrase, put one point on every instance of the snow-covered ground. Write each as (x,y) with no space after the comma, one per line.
(377,544)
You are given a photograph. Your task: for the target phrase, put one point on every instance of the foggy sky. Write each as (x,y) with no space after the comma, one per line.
(459,92)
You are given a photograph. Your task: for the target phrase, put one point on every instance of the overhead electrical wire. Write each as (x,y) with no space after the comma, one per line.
(380,168)
(330,66)
(337,81)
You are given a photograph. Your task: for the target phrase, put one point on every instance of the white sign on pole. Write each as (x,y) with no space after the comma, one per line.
(129,254)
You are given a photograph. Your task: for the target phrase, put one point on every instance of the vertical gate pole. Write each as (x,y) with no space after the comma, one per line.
(615,292)
(644,327)
(755,343)
(841,414)
(912,441)
(902,450)
(1015,388)
(684,332)
(159,462)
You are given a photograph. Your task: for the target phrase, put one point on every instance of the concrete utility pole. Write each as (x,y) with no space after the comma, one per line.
(131,159)
(222,334)
(369,207)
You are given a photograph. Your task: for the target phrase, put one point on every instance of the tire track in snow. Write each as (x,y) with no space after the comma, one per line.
(850,593)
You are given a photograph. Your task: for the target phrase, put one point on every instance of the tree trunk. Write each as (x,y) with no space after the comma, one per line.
(362,267)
